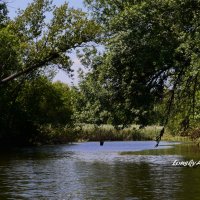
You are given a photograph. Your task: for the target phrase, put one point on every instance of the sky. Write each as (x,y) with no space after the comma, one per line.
(14,5)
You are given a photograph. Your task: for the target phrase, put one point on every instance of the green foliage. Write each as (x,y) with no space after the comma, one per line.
(38,103)
(48,134)
(46,41)
(148,73)
(3,14)
(91,132)
(91,105)
(152,54)
(9,58)
(38,39)
(44,102)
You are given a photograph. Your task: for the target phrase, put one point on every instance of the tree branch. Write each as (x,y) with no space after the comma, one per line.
(27,70)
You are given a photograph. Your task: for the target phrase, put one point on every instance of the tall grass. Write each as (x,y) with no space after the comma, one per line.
(89,132)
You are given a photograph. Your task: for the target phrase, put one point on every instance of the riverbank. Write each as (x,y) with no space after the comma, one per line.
(187,149)
(51,135)
(91,132)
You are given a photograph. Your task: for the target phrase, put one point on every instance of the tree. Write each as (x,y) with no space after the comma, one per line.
(152,53)
(91,101)
(3,14)
(43,102)
(40,37)
(39,103)
(41,41)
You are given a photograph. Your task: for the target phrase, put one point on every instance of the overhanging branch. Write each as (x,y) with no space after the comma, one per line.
(27,70)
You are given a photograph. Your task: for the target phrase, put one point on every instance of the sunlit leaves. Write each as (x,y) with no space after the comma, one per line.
(47,34)
(152,53)
(9,57)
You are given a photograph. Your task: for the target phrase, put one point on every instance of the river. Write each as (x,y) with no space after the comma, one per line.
(88,171)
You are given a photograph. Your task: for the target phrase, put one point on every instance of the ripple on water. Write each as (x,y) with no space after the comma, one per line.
(89,171)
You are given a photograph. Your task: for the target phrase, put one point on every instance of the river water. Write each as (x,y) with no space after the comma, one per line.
(110,172)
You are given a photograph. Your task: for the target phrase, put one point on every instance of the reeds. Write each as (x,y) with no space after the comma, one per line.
(89,132)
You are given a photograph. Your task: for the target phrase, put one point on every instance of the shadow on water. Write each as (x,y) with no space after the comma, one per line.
(90,171)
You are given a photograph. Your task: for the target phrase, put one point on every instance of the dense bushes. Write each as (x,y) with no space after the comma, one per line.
(28,107)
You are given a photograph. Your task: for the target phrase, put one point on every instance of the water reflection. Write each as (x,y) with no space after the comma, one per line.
(86,171)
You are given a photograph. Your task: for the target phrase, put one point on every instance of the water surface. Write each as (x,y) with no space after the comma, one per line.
(90,171)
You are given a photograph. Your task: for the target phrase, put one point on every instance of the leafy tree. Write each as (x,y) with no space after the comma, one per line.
(39,102)
(43,102)
(39,38)
(152,53)
(91,102)
(3,13)
(42,41)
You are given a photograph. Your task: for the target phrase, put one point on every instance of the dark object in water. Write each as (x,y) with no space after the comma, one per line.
(158,138)
(101,143)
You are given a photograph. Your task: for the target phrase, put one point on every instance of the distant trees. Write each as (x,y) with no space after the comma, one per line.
(38,103)
(41,101)
(92,102)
